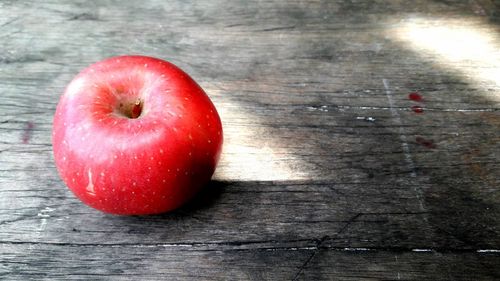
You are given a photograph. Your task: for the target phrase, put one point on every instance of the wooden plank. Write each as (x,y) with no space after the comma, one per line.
(186,262)
(351,215)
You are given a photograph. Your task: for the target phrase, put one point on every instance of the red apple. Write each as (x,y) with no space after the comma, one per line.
(135,135)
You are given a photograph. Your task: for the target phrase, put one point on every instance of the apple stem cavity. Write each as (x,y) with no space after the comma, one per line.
(131,110)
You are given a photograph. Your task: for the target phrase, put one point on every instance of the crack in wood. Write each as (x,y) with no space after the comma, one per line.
(319,245)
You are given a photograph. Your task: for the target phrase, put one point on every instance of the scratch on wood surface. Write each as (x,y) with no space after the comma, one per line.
(402,136)
(488,251)
(43,215)
(351,107)
(397,265)
(291,27)
(404,143)
(5,24)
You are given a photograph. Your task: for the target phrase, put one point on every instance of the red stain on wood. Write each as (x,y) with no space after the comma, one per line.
(27,132)
(417,109)
(425,142)
(415,96)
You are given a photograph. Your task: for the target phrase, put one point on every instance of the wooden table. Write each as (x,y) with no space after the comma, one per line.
(330,169)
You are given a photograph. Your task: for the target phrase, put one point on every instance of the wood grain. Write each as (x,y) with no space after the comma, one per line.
(326,174)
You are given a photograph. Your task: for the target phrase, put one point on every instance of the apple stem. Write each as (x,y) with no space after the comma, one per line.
(136,109)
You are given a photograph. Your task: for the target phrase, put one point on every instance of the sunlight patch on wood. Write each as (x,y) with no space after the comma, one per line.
(253,152)
(468,45)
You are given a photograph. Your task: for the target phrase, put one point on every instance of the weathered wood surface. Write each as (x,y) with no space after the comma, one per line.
(327,173)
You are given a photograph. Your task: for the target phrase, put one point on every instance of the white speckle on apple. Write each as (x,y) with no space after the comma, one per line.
(95,86)
(175,129)
(146,65)
(218,133)
(115,156)
(163,75)
(134,183)
(77,174)
(152,158)
(190,137)
(90,186)
(73,179)
(164,180)
(186,173)
(190,154)
(159,162)
(186,98)
(209,141)
(135,157)
(161,151)
(149,168)
(102,174)
(148,180)
(64,158)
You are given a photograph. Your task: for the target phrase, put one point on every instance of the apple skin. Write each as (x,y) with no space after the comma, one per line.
(135,135)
